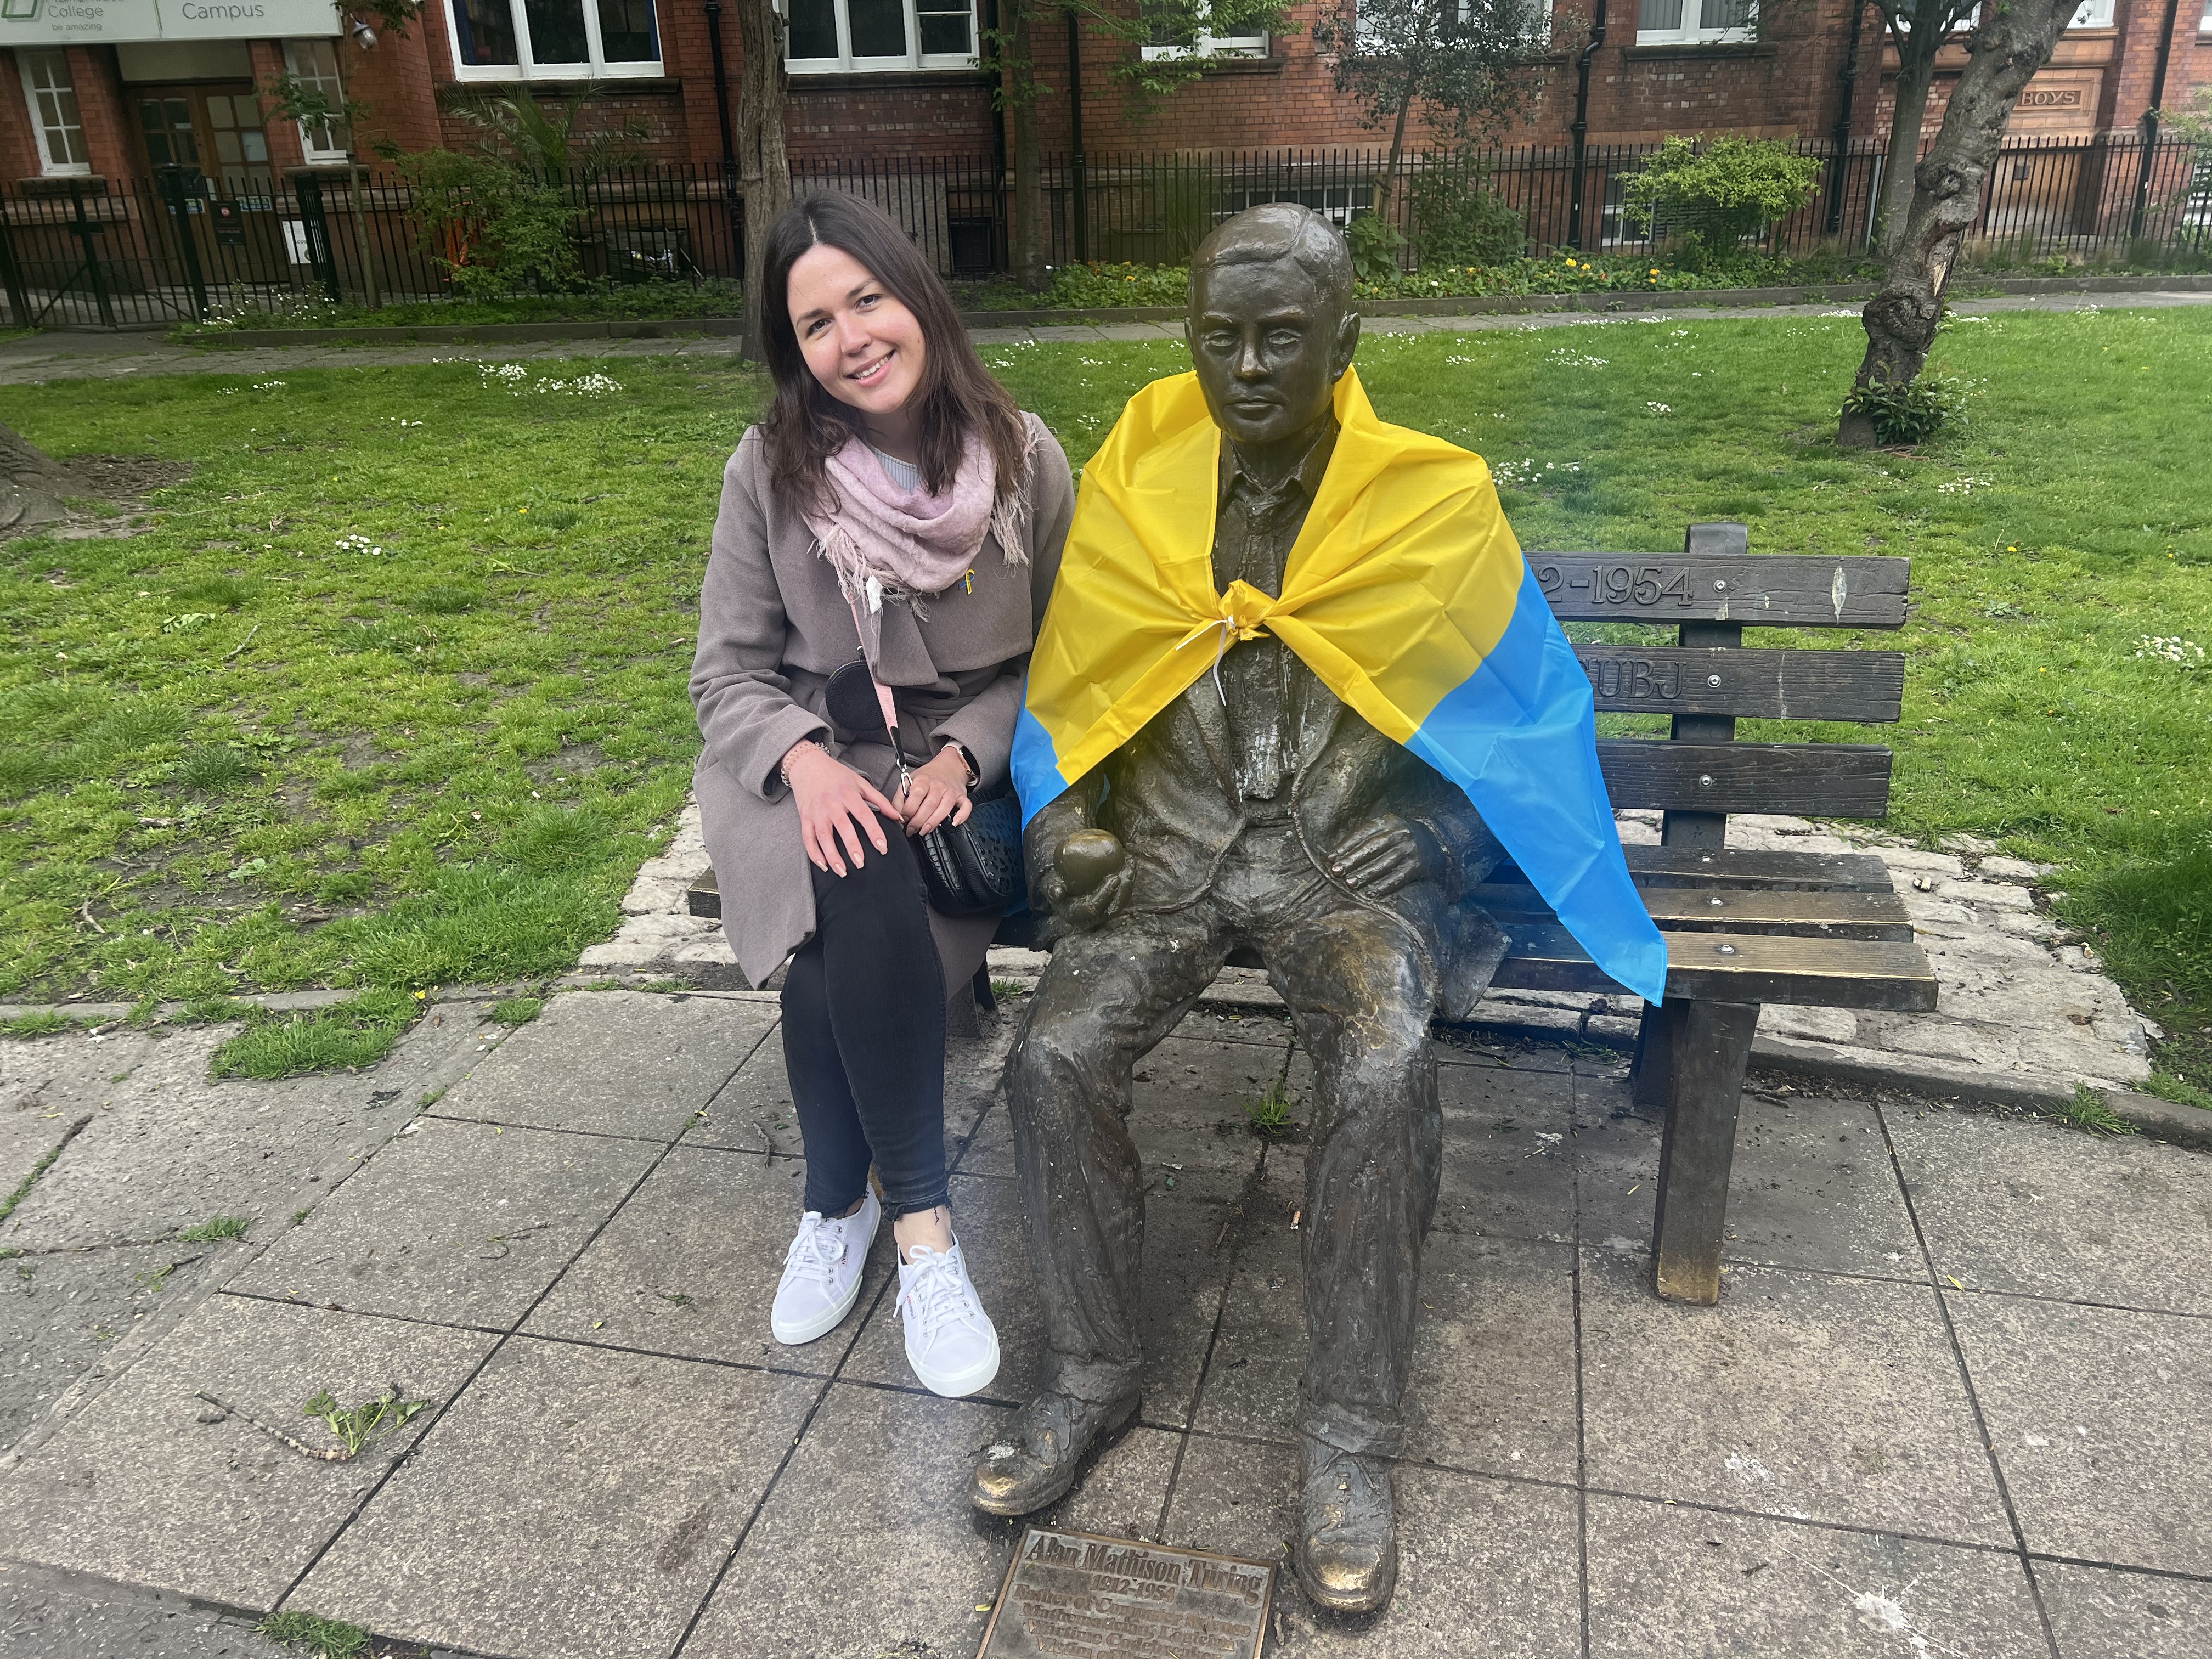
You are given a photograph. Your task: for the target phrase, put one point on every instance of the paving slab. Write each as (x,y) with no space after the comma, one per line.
(1666,1582)
(575,1504)
(2098,1416)
(137,1488)
(63,1313)
(1188,1245)
(1801,1394)
(1509,1154)
(167,1147)
(614,1062)
(1811,1187)
(689,1265)
(2030,1206)
(2099,1613)
(463,1223)
(867,1545)
(48,1614)
(1485,1567)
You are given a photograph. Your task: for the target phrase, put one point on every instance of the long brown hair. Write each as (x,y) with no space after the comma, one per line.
(806,425)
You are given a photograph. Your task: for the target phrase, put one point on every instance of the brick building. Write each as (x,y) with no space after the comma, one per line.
(115,88)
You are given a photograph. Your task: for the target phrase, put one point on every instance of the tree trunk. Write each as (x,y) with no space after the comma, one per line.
(1386,197)
(763,167)
(1947,195)
(33,483)
(1031,243)
(1915,75)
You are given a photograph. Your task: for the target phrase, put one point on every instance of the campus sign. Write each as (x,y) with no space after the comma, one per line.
(82,22)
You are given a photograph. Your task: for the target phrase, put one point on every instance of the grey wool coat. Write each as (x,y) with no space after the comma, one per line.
(773,627)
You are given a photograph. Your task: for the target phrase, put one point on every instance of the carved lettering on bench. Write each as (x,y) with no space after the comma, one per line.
(1642,585)
(1634,679)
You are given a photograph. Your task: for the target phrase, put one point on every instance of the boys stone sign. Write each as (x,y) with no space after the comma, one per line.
(1072,1595)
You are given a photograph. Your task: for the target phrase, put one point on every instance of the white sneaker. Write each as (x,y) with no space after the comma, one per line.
(822,1273)
(950,1340)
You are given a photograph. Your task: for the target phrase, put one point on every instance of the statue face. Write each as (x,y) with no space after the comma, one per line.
(1269,350)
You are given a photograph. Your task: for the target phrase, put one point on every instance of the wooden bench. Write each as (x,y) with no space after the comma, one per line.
(1743,929)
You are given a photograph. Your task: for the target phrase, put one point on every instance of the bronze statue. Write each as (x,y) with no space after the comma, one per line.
(1255,811)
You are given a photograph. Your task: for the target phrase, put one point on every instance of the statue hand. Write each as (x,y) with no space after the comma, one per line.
(1082,912)
(1383,856)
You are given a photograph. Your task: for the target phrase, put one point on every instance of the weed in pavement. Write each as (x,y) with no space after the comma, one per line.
(2088,1111)
(360,1031)
(517,1010)
(1269,1115)
(322,1639)
(216,1229)
(37,1023)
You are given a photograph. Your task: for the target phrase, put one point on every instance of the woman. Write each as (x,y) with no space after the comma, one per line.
(895,502)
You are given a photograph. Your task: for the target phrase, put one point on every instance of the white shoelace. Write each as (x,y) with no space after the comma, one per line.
(810,1255)
(938,1294)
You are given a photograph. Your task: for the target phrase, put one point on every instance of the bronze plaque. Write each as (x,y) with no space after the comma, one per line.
(1076,1596)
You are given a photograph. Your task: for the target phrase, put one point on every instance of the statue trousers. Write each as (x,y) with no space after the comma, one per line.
(1360,992)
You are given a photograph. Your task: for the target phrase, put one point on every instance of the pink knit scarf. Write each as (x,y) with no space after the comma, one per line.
(880,537)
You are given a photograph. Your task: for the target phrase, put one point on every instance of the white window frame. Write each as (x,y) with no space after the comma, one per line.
(1691,31)
(1216,45)
(63,168)
(2094,15)
(321,153)
(914,58)
(595,69)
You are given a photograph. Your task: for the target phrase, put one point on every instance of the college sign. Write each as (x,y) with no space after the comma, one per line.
(82,22)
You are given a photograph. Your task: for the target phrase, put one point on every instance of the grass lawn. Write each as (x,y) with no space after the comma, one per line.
(246,749)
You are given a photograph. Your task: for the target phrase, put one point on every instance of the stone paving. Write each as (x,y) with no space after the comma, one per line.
(34,359)
(2024,1004)
(1951,1402)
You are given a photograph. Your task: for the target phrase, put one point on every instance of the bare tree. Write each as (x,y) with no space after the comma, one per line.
(764,164)
(2002,55)
(1920,28)
(1463,63)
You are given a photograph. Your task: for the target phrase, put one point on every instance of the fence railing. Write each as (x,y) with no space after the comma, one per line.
(184,246)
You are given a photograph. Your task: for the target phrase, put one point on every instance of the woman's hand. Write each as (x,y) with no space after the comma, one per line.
(935,793)
(835,804)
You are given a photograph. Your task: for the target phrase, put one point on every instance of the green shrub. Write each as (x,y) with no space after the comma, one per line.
(491,227)
(1459,221)
(1375,243)
(1908,414)
(1716,193)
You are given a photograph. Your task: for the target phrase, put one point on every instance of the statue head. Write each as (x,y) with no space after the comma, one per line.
(1272,327)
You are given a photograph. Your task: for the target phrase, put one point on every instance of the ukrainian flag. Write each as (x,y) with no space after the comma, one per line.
(1405,594)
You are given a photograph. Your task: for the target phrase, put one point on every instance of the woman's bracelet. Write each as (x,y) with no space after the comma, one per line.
(783,767)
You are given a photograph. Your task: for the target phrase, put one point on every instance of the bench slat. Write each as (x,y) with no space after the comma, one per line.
(1756,684)
(1733,866)
(1803,780)
(1775,590)
(1705,909)
(1824,973)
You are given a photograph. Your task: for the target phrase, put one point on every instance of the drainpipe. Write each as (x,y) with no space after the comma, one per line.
(2150,122)
(1580,127)
(1080,180)
(1840,146)
(731,206)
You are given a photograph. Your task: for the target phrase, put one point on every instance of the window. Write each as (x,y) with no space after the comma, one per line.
(1664,23)
(829,35)
(2094,15)
(1169,40)
(555,40)
(54,117)
(316,63)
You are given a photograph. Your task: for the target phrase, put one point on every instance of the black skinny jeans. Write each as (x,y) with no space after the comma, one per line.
(863,1036)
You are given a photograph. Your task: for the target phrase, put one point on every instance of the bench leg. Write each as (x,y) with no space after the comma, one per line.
(1650,1074)
(1709,1044)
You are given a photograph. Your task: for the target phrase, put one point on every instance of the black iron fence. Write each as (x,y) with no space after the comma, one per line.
(263,246)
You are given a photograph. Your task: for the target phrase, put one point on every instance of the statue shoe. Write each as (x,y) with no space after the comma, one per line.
(1035,1458)
(1347,1553)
